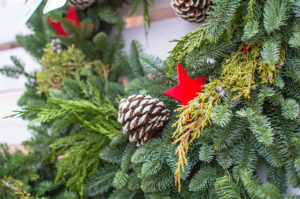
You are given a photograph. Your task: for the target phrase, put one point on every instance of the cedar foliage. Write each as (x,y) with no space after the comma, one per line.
(254,121)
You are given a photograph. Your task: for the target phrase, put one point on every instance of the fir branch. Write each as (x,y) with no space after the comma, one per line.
(16,70)
(154,162)
(136,67)
(100,182)
(206,153)
(220,18)
(155,66)
(126,158)
(250,183)
(250,29)
(121,194)
(244,156)
(270,53)
(295,40)
(163,181)
(277,177)
(120,179)
(276,13)
(226,188)
(108,15)
(259,125)
(221,115)
(203,179)
(290,109)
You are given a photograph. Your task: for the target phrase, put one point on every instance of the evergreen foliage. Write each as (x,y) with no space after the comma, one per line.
(146,4)
(263,25)
(248,113)
(31,175)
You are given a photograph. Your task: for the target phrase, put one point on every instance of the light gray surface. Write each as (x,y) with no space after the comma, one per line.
(12,130)
(10,22)
(159,37)
(8,84)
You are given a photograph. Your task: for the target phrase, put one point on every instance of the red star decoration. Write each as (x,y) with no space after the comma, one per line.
(57,26)
(187,88)
(71,17)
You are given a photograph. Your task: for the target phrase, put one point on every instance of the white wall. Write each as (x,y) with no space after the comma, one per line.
(159,37)
(160,34)
(13,130)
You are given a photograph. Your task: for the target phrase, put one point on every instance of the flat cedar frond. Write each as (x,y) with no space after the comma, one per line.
(186,45)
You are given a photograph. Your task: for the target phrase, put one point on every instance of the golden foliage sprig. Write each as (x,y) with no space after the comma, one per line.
(238,75)
(58,66)
(16,187)
(198,118)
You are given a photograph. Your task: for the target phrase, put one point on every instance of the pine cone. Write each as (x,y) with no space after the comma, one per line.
(80,4)
(191,10)
(142,117)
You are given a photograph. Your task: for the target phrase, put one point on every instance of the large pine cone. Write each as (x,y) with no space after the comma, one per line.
(142,117)
(80,4)
(191,10)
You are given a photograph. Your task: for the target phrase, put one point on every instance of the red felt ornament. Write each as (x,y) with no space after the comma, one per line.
(57,26)
(71,17)
(187,88)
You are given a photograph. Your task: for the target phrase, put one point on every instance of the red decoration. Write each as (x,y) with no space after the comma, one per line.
(57,26)
(70,17)
(187,88)
(247,48)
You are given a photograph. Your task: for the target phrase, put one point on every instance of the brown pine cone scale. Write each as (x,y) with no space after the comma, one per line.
(142,117)
(80,4)
(192,10)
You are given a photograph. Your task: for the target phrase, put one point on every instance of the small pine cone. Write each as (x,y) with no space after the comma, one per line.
(80,4)
(192,10)
(142,117)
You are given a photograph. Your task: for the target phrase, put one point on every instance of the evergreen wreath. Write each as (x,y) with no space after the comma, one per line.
(246,115)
